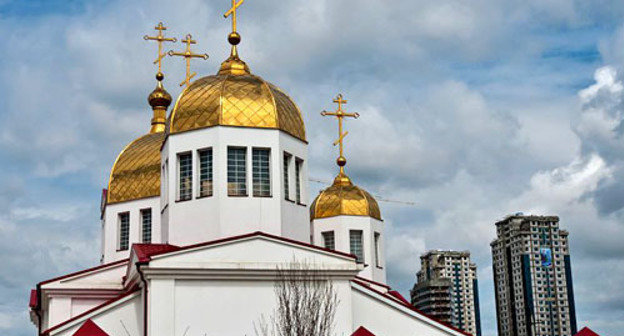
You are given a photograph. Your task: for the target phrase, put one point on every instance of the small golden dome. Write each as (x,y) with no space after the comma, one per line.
(235,97)
(136,172)
(344,198)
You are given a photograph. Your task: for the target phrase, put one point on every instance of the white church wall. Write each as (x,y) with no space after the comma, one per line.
(206,218)
(385,317)
(110,235)
(341,225)
(120,318)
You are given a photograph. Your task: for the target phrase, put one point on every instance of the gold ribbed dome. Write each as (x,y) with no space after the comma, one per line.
(344,198)
(235,97)
(136,172)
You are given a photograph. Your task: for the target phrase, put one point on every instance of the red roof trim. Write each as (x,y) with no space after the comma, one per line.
(409,306)
(111,301)
(145,251)
(249,235)
(361,331)
(114,263)
(398,296)
(32,303)
(373,282)
(89,328)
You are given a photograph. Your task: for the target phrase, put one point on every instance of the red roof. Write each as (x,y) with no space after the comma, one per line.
(32,303)
(398,296)
(89,328)
(586,332)
(408,305)
(361,331)
(145,251)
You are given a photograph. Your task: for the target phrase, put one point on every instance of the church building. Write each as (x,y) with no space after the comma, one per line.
(203,213)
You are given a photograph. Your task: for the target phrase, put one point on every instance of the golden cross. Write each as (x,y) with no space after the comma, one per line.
(232,11)
(187,54)
(160,38)
(340,114)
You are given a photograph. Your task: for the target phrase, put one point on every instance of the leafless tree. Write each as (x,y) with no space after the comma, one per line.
(306,303)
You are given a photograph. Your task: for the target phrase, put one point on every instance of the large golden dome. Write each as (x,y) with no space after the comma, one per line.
(136,172)
(235,97)
(344,198)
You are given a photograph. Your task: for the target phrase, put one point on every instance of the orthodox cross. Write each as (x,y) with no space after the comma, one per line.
(188,54)
(160,38)
(232,11)
(340,114)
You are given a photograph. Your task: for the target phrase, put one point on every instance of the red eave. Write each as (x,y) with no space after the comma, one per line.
(89,328)
(147,252)
(32,303)
(144,252)
(85,271)
(373,282)
(586,332)
(409,306)
(361,331)
(113,300)
(398,296)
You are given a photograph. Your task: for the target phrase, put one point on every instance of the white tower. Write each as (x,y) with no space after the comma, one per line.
(234,160)
(346,218)
(131,207)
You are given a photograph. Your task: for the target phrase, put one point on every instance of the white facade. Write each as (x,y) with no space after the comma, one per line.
(222,288)
(220,215)
(340,227)
(111,247)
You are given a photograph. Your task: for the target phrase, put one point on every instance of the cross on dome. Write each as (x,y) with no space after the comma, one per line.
(188,55)
(340,114)
(160,38)
(232,12)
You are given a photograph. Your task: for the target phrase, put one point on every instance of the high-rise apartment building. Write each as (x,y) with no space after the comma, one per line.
(533,278)
(447,289)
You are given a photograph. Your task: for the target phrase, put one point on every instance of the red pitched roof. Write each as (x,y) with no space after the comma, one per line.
(89,328)
(145,251)
(586,332)
(361,331)
(32,303)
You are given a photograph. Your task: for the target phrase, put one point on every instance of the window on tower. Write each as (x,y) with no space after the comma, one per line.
(185,174)
(205,172)
(329,240)
(377,242)
(124,231)
(237,171)
(298,165)
(146,225)
(355,243)
(261,173)
(287,158)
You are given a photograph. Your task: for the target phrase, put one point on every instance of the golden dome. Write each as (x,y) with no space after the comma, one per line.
(235,97)
(136,172)
(344,198)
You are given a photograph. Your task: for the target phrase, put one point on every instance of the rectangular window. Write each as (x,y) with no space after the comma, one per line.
(377,239)
(260,172)
(298,164)
(237,171)
(205,172)
(146,225)
(124,231)
(286,176)
(355,243)
(328,240)
(185,173)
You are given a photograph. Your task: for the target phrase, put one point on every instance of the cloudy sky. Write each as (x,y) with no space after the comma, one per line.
(470,109)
